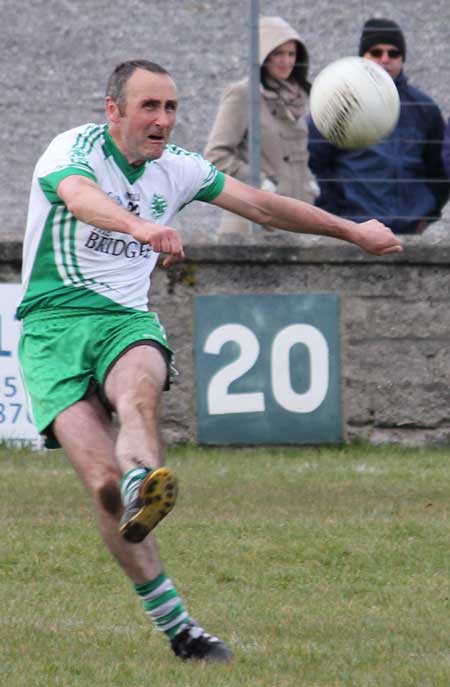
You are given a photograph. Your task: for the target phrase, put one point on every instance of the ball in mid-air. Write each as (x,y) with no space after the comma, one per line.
(354,103)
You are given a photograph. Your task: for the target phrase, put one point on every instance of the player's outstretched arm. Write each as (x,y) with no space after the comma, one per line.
(86,201)
(285,213)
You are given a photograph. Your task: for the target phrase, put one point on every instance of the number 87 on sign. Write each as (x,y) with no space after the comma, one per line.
(267,369)
(16,427)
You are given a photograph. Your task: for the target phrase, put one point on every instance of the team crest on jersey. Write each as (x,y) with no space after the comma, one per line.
(158,206)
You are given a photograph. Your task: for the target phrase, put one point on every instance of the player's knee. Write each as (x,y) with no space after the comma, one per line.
(147,387)
(144,396)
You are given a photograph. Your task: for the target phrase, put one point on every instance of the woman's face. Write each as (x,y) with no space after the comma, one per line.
(281,61)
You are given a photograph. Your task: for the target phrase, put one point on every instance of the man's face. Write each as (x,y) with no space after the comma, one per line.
(387,56)
(142,127)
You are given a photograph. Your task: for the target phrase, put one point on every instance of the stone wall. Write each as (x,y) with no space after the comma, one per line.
(394,318)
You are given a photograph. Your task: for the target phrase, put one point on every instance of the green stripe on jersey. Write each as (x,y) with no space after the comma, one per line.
(207,194)
(56,279)
(49,184)
(86,140)
(64,228)
(79,162)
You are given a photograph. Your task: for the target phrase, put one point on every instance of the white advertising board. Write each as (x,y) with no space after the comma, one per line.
(16,426)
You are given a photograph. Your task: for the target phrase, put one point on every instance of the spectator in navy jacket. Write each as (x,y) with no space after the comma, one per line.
(446,149)
(401,180)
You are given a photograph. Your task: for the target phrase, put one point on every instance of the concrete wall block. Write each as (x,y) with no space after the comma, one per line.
(178,411)
(418,438)
(388,362)
(412,405)
(358,407)
(395,318)
(372,280)
(441,363)
(352,280)
(250,278)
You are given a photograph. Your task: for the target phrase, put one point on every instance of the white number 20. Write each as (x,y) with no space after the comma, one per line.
(221,402)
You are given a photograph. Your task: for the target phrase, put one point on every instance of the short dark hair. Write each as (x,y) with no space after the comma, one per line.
(116,85)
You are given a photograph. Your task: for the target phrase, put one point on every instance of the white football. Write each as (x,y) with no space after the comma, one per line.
(354,103)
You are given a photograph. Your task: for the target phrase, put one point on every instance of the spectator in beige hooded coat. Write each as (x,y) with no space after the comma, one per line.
(283,109)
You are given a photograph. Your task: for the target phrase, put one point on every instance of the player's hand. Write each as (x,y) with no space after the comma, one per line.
(376,239)
(162,239)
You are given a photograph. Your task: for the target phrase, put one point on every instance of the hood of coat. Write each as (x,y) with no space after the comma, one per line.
(274,31)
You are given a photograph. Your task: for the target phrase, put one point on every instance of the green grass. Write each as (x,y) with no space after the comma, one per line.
(321,568)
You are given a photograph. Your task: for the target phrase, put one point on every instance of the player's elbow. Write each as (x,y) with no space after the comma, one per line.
(76,206)
(263,217)
(263,209)
(72,203)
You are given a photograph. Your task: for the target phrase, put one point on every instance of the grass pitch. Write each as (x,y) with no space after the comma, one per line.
(320,567)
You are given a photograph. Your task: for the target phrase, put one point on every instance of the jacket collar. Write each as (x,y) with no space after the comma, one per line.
(401,80)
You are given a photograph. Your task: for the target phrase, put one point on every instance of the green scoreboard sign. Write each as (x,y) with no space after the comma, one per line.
(267,369)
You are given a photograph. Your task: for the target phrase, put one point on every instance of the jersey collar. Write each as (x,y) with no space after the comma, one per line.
(131,173)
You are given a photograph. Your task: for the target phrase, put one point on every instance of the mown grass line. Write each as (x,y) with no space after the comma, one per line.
(324,567)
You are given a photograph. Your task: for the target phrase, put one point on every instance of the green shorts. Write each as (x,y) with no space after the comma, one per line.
(65,356)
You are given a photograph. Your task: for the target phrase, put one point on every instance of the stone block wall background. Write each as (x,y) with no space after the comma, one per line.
(394,325)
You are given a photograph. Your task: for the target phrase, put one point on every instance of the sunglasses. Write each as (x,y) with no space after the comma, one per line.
(378,52)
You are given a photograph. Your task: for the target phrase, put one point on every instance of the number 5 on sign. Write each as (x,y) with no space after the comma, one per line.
(16,427)
(267,369)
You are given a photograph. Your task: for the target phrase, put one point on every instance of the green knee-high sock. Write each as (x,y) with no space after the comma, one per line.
(129,484)
(163,605)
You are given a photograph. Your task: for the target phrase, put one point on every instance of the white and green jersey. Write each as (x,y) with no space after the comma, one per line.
(68,263)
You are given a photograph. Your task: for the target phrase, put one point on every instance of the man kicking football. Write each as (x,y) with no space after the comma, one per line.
(95,359)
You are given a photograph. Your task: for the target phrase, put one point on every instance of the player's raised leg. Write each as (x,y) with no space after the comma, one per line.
(133,388)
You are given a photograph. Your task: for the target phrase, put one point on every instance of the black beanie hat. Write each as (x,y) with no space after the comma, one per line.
(383,31)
